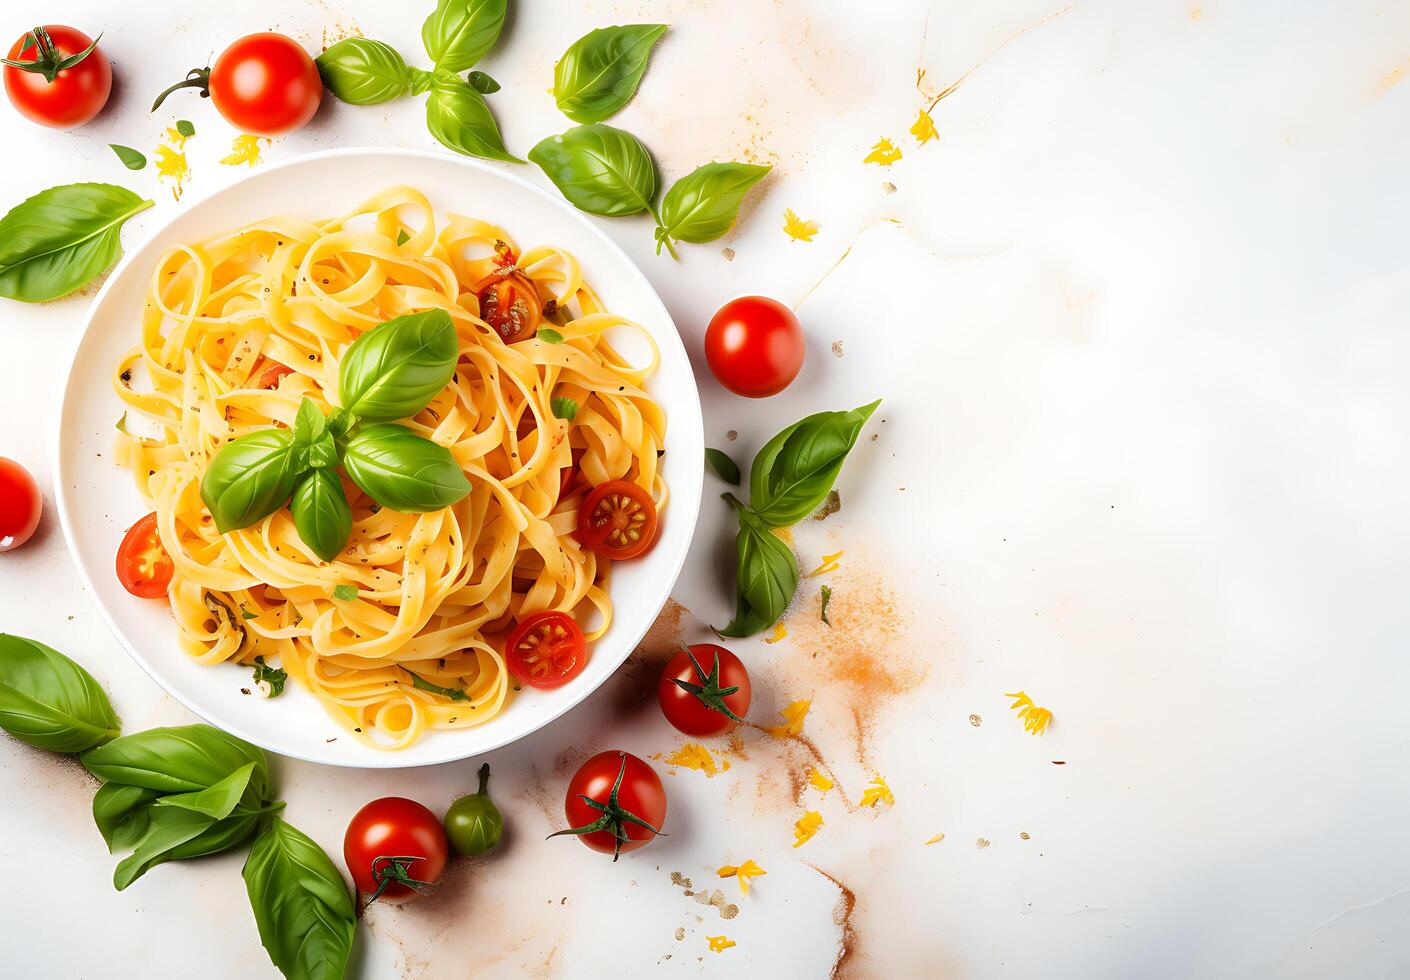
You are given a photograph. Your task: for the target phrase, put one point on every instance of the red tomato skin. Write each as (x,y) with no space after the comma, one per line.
(75,96)
(754,346)
(390,827)
(20,504)
(596,538)
(266,84)
(686,712)
(575,641)
(129,555)
(641,794)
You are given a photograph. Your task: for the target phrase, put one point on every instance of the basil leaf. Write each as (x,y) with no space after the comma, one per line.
(62,238)
(175,833)
(120,811)
(826,598)
(482,83)
(702,205)
(549,336)
(461,32)
(422,684)
(323,454)
(131,159)
(564,408)
(599,169)
(600,72)
(301,904)
(399,469)
(185,128)
(50,702)
(725,468)
(250,478)
(793,473)
(217,800)
(766,576)
(309,423)
(344,592)
(395,369)
(361,71)
(321,513)
(459,116)
(274,677)
(176,760)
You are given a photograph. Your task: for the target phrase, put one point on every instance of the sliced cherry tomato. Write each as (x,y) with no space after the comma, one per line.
(20,504)
(509,303)
(618,520)
(705,690)
(395,848)
(269,375)
(631,803)
(52,88)
(754,346)
(547,649)
(263,83)
(143,566)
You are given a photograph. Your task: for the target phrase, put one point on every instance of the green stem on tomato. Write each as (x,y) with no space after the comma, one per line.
(196,78)
(613,816)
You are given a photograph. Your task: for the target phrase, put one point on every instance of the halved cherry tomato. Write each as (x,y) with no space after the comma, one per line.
(705,690)
(618,520)
(263,83)
(269,375)
(57,96)
(628,794)
(395,848)
(20,504)
(143,566)
(509,303)
(546,650)
(754,346)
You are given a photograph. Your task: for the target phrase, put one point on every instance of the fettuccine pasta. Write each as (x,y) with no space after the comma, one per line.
(239,329)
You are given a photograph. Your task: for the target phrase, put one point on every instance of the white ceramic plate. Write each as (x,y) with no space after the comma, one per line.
(97,500)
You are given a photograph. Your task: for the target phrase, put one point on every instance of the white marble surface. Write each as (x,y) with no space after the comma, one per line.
(1139,319)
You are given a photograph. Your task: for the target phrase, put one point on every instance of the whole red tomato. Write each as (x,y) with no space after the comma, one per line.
(394,848)
(264,84)
(705,690)
(754,346)
(56,76)
(19,504)
(630,803)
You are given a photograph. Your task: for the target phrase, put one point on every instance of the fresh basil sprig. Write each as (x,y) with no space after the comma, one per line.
(302,906)
(63,238)
(50,702)
(600,72)
(361,71)
(461,32)
(702,205)
(174,793)
(459,117)
(791,477)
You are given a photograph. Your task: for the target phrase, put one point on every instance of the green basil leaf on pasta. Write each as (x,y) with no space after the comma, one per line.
(725,467)
(794,471)
(344,592)
(460,118)
(272,678)
(301,904)
(422,684)
(766,577)
(399,469)
(183,759)
(461,32)
(394,370)
(702,205)
(50,702)
(564,408)
(250,478)
(598,75)
(131,159)
(361,71)
(63,238)
(309,423)
(321,513)
(550,336)
(599,169)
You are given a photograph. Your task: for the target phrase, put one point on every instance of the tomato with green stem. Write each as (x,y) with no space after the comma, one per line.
(56,76)
(395,849)
(473,823)
(263,83)
(615,803)
(705,690)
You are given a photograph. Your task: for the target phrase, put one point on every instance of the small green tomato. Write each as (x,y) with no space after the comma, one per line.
(473,823)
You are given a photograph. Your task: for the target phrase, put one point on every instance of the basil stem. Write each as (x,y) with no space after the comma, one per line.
(403,471)
(598,75)
(50,702)
(458,33)
(459,117)
(250,479)
(361,71)
(599,169)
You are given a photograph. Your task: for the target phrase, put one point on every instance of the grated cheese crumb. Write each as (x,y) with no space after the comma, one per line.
(818,781)
(806,827)
(830,563)
(793,716)
(779,633)
(877,792)
(693,755)
(923,129)
(1035,719)
(171,164)
(935,840)
(797,228)
(718,944)
(244,150)
(884,153)
(743,872)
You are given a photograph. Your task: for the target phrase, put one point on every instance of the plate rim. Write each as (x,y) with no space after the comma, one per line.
(690,507)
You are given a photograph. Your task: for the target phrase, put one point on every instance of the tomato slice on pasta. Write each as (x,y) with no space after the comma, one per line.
(547,649)
(143,566)
(618,520)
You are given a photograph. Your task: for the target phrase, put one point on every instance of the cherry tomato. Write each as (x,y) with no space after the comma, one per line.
(509,302)
(754,346)
(263,83)
(269,375)
(20,504)
(143,566)
(547,649)
(54,89)
(618,520)
(630,791)
(394,848)
(705,690)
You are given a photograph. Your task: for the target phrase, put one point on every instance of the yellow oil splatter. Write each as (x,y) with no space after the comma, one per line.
(693,755)
(244,151)
(797,228)
(176,137)
(935,840)
(171,165)
(779,633)
(1035,719)
(818,781)
(923,129)
(718,944)
(877,793)
(883,153)
(793,716)
(806,827)
(743,872)
(830,563)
